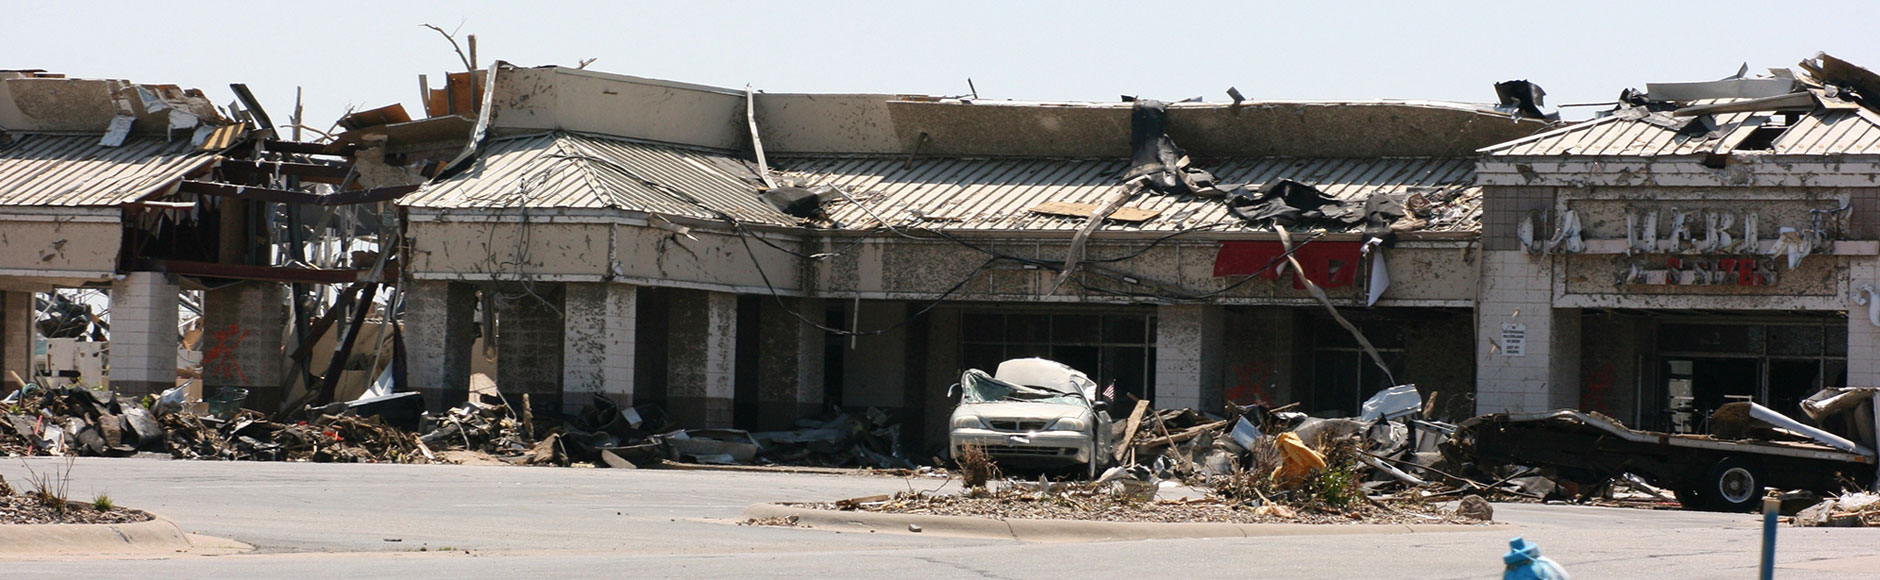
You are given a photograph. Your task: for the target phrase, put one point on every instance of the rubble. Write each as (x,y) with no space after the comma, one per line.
(80,421)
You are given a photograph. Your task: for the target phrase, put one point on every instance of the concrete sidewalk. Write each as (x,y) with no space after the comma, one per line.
(155,537)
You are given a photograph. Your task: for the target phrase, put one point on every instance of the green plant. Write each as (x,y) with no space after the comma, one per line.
(102,502)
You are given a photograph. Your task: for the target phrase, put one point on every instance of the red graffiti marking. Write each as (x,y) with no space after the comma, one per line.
(1250,384)
(1598,390)
(219,359)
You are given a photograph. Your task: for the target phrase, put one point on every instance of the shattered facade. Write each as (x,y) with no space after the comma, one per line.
(748,259)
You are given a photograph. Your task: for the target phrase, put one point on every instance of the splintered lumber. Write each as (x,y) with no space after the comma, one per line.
(1186,434)
(1084,210)
(1129,432)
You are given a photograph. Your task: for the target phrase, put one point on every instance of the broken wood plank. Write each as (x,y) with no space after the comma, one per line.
(1129,429)
(1186,434)
(1083,210)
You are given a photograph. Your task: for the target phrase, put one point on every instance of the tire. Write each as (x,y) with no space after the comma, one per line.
(1732,485)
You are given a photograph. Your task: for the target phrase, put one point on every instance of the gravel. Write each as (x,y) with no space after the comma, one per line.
(16,509)
(1103,507)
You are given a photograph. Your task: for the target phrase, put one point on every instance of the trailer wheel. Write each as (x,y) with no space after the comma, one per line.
(1732,485)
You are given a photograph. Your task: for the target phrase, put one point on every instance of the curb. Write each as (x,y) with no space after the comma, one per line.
(1066,531)
(157,536)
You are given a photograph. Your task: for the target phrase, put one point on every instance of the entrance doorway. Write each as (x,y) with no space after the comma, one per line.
(1695,387)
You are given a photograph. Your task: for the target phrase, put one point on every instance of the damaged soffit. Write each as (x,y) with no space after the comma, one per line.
(562,170)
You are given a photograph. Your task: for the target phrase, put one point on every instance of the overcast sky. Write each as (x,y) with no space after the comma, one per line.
(369,54)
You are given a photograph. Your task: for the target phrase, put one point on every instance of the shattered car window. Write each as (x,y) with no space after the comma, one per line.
(979,387)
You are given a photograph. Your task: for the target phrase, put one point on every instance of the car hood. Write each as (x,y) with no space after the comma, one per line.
(1022,410)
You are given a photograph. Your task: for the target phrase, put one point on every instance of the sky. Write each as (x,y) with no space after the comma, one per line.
(369,54)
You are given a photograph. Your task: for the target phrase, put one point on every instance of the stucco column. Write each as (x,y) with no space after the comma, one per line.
(789,364)
(1188,353)
(598,342)
(242,327)
(16,338)
(143,334)
(702,342)
(1527,352)
(439,327)
(1863,338)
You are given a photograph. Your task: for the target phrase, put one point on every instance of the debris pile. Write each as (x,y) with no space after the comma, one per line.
(1849,510)
(79,421)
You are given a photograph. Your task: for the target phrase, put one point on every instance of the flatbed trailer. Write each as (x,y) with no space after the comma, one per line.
(1590,449)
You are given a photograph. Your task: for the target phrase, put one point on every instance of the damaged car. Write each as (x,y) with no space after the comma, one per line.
(1033,413)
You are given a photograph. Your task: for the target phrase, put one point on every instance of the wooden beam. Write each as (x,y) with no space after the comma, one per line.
(330,380)
(295,197)
(279,146)
(1129,430)
(305,171)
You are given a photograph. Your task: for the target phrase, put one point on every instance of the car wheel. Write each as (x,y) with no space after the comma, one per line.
(1732,485)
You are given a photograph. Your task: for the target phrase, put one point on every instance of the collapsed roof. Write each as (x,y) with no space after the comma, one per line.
(559,140)
(1829,108)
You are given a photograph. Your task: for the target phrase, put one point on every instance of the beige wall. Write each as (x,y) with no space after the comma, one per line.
(38,246)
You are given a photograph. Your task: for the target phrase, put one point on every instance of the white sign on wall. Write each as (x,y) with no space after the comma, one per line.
(1513,339)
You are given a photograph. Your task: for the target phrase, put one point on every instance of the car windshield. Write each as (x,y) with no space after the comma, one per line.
(979,387)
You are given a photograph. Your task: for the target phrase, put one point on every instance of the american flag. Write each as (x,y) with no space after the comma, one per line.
(1109,391)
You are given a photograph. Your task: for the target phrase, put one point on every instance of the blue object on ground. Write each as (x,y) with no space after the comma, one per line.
(1524,562)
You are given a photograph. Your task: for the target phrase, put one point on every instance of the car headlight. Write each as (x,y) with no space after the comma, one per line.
(1068,424)
(968,422)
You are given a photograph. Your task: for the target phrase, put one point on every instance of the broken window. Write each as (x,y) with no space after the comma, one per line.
(1110,348)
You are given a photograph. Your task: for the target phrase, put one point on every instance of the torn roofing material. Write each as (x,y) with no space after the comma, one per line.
(1824,131)
(38,169)
(565,170)
(998,194)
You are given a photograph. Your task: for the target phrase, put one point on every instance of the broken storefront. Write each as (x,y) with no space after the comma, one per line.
(937,240)
(1703,243)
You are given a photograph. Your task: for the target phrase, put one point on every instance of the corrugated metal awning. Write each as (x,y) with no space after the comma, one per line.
(39,169)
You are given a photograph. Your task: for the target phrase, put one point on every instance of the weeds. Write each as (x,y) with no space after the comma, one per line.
(976,468)
(50,486)
(102,503)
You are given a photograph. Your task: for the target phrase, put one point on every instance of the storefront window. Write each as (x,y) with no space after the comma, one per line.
(1110,348)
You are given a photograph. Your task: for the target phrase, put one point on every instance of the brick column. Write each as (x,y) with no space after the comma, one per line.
(143,334)
(1517,297)
(16,338)
(1188,347)
(789,364)
(529,344)
(241,347)
(439,326)
(702,342)
(598,343)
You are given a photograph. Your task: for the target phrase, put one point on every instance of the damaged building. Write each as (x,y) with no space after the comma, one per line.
(738,258)
(220,244)
(1702,243)
(747,259)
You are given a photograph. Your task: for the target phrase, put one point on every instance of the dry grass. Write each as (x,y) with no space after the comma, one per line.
(976,468)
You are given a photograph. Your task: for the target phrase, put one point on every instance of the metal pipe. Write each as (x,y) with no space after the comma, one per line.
(1771,506)
(1770,416)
